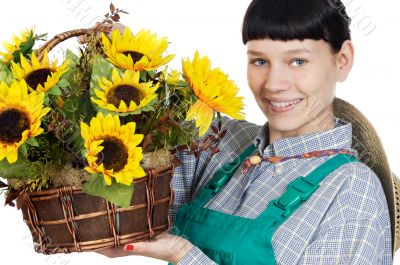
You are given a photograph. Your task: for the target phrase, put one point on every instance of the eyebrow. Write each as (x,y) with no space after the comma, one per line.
(294,51)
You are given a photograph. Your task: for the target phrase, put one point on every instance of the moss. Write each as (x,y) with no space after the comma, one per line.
(66,176)
(53,176)
(157,158)
(16,184)
(36,184)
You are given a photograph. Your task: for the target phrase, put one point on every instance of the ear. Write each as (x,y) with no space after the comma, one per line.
(344,61)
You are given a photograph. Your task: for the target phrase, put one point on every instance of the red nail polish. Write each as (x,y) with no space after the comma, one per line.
(129,247)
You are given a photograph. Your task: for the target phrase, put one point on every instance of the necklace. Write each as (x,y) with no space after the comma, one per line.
(257,159)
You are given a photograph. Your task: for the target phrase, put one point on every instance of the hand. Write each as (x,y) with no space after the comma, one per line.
(165,247)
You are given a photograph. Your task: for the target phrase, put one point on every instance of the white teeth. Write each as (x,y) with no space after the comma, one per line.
(284,104)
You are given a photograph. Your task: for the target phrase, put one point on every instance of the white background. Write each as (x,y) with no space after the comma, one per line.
(213,27)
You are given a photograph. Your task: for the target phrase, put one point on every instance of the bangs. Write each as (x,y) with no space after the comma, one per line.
(297,20)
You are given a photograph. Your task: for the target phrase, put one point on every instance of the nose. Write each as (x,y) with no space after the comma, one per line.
(277,79)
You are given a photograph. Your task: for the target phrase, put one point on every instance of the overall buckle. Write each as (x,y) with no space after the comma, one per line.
(218,181)
(222,176)
(298,191)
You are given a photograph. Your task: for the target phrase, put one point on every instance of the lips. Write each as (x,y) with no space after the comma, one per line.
(283,105)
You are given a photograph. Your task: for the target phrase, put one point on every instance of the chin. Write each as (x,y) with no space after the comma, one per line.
(287,125)
(288,129)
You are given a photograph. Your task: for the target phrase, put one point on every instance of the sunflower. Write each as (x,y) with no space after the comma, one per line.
(172,78)
(214,92)
(20,115)
(136,52)
(124,93)
(15,44)
(112,149)
(40,76)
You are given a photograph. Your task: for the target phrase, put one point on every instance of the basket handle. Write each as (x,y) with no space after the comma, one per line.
(67,35)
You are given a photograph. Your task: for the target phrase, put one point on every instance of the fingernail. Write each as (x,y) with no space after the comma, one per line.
(129,247)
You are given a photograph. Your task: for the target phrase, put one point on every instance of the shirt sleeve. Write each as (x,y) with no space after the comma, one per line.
(354,242)
(187,176)
(356,229)
(196,257)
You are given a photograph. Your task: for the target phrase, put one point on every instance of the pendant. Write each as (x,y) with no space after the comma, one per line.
(255,160)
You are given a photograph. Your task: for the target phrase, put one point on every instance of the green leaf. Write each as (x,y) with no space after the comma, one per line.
(182,84)
(32,141)
(77,107)
(23,150)
(42,37)
(152,74)
(101,68)
(73,61)
(78,144)
(23,168)
(85,109)
(46,100)
(72,57)
(83,152)
(70,107)
(63,83)
(117,193)
(5,74)
(25,48)
(149,107)
(55,90)
(105,112)
(143,76)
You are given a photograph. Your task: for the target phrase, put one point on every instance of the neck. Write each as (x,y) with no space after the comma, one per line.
(326,122)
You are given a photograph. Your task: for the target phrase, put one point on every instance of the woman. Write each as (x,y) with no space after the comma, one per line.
(246,212)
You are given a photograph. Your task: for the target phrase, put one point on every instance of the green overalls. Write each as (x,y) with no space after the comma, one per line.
(229,239)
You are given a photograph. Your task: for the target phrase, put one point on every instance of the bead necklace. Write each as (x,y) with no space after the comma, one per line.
(257,159)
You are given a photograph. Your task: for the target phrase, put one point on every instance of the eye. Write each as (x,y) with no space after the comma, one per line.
(259,62)
(298,62)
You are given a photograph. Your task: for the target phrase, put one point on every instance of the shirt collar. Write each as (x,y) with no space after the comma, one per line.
(339,137)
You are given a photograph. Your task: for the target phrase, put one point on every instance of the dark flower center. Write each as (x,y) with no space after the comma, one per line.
(125,93)
(38,77)
(12,124)
(114,154)
(136,56)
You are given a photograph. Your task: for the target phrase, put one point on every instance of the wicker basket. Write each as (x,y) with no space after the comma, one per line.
(64,220)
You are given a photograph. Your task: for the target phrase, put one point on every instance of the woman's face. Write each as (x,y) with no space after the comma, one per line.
(293,83)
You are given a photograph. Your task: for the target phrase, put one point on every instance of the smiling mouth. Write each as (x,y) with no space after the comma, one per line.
(284,104)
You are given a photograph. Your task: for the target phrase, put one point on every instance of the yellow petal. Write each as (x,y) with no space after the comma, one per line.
(90,170)
(107,179)
(139,172)
(12,155)
(85,131)
(3,151)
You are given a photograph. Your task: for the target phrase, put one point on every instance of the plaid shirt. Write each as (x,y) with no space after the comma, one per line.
(346,221)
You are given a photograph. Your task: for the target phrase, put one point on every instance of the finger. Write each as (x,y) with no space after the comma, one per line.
(158,249)
(160,236)
(112,252)
(141,248)
(165,247)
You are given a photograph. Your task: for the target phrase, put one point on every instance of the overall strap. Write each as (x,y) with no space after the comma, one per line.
(221,177)
(299,190)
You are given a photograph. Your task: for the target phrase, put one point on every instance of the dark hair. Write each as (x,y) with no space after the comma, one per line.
(297,19)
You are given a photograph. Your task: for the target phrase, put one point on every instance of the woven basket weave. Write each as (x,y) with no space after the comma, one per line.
(64,220)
